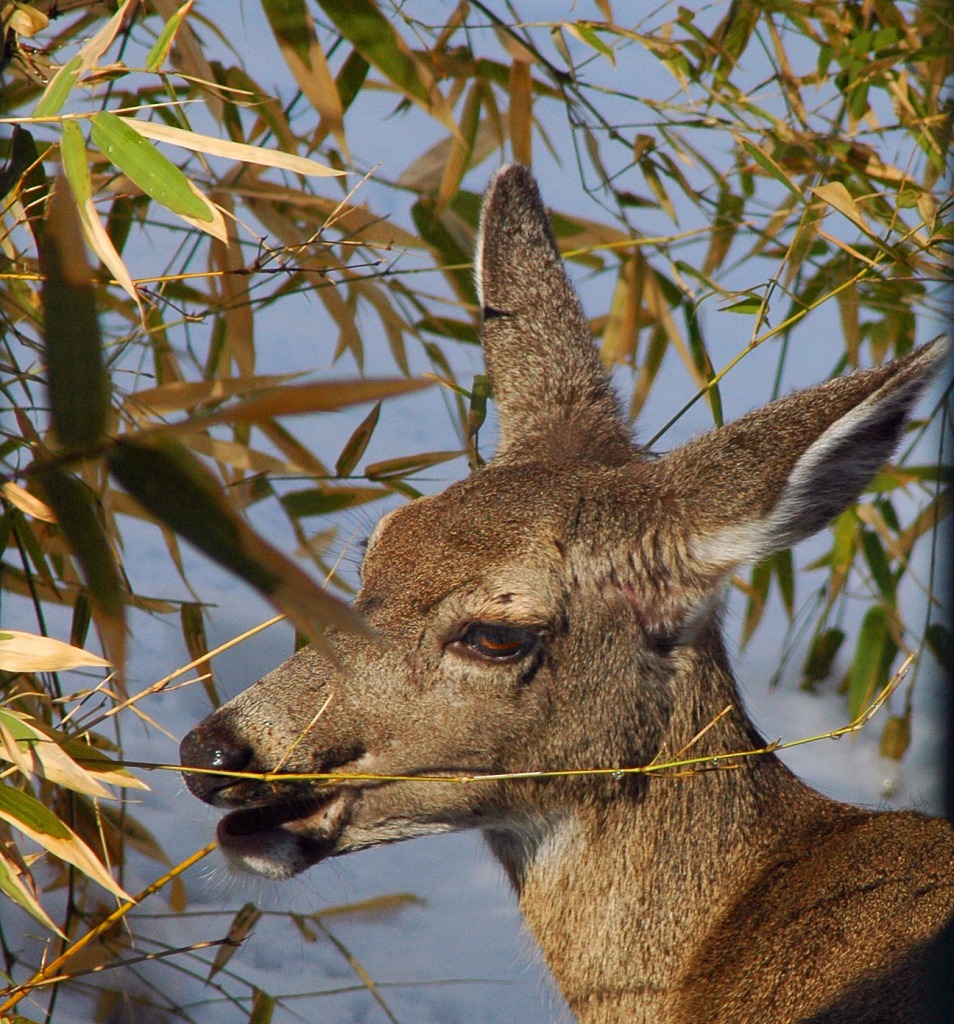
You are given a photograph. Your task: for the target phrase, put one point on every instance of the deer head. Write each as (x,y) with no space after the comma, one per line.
(557,609)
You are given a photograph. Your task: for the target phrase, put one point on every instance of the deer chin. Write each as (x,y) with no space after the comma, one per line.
(282,840)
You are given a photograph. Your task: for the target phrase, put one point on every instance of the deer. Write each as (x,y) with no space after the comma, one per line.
(560,609)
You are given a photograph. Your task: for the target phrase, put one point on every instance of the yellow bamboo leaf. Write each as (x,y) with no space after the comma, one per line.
(26,21)
(424,173)
(27,815)
(11,751)
(520,111)
(41,754)
(27,652)
(26,502)
(232,453)
(240,151)
(214,227)
(619,335)
(294,30)
(179,395)
(839,198)
(306,398)
(242,924)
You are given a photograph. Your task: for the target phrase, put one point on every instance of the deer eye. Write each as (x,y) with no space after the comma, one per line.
(495,641)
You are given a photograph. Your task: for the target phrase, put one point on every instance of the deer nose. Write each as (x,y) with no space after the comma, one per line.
(208,748)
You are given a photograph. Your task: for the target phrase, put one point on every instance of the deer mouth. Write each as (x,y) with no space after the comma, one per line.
(282,839)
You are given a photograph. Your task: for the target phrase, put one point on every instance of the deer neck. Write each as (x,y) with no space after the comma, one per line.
(620,891)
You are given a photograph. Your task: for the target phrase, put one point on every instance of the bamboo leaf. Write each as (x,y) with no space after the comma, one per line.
(294,31)
(520,111)
(13,885)
(240,928)
(77,381)
(76,169)
(821,655)
(357,444)
(874,648)
(26,814)
(307,398)
(879,566)
(55,94)
(75,509)
(27,652)
(159,50)
(896,736)
(240,151)
(186,394)
(372,35)
(46,756)
(320,501)
(839,198)
(408,464)
(26,502)
(154,173)
(263,1007)
(765,161)
(176,488)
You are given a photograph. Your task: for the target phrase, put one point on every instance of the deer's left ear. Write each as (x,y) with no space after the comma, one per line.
(783,472)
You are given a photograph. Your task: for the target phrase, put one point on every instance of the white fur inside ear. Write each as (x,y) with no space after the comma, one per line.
(826,479)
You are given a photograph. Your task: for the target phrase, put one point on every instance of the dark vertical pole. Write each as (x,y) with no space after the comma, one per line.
(940,980)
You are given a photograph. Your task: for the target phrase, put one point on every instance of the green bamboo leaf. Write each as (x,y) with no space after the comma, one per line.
(77,380)
(784,568)
(757,591)
(320,501)
(821,656)
(24,810)
(26,168)
(172,485)
(59,88)
(75,508)
(75,162)
(749,306)
(879,566)
(371,34)
(357,443)
(477,410)
(408,464)
(26,814)
(176,488)
(873,654)
(587,34)
(770,166)
(161,47)
(263,1008)
(431,228)
(154,173)
(193,632)
(12,886)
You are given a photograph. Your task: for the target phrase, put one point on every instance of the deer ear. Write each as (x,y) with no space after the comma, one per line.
(786,470)
(552,393)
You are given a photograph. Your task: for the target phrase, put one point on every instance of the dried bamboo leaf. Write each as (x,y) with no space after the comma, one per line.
(212,146)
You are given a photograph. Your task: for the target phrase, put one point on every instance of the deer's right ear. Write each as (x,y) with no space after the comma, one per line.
(784,471)
(552,393)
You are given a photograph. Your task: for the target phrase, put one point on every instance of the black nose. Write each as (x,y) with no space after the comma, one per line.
(208,747)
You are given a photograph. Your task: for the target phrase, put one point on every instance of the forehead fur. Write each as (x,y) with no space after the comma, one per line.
(505,530)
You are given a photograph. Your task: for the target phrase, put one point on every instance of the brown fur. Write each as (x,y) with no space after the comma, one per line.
(730,896)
